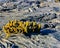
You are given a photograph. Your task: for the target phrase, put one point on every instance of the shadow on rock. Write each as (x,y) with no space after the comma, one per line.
(31,33)
(42,32)
(57,36)
(47,31)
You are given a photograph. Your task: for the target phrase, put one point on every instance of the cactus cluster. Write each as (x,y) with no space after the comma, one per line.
(17,26)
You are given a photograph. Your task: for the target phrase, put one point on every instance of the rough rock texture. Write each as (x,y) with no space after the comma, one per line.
(44,13)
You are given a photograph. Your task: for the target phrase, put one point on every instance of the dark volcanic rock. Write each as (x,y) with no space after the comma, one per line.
(37,2)
(50,17)
(56,9)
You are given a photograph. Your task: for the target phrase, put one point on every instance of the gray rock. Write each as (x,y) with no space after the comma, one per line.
(50,17)
(10,5)
(57,27)
(54,15)
(1,7)
(57,9)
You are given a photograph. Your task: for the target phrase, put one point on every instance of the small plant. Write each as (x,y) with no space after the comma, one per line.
(17,26)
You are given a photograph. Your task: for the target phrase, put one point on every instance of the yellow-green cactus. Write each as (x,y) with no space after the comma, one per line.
(16,26)
(57,0)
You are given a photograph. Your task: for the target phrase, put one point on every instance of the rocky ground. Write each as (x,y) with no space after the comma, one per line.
(46,13)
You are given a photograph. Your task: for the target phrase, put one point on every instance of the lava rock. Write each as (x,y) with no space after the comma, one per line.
(2,46)
(50,17)
(56,9)
(23,20)
(1,7)
(38,5)
(37,2)
(32,2)
(52,26)
(53,16)
(10,5)
(58,26)
(46,26)
(14,46)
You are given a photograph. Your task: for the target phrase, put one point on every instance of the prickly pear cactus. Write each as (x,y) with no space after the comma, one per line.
(17,26)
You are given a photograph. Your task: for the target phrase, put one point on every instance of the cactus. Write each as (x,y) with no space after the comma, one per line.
(57,0)
(16,26)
